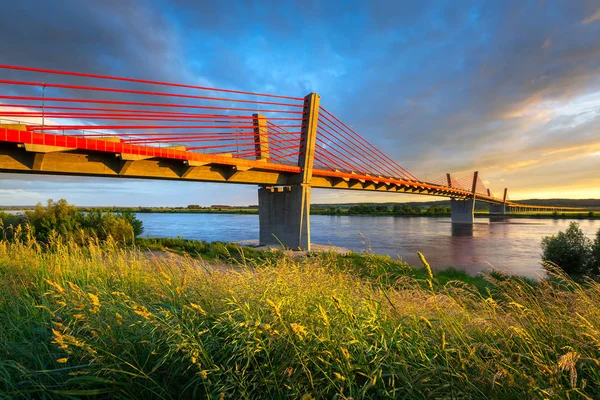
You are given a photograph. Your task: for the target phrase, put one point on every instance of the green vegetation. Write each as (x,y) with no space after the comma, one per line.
(218,251)
(191,209)
(115,321)
(382,209)
(86,315)
(382,268)
(70,223)
(572,251)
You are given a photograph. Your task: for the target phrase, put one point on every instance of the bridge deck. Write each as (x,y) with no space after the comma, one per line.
(24,151)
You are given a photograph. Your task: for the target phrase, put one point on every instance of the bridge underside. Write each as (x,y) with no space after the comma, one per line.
(20,158)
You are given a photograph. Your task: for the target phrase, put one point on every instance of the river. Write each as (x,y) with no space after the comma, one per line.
(510,245)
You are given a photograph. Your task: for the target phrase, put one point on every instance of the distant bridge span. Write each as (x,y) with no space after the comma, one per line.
(283,144)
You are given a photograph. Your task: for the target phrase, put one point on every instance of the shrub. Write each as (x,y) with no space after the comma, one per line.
(571,250)
(64,220)
(8,222)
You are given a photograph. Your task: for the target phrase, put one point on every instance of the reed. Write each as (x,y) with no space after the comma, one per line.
(111,321)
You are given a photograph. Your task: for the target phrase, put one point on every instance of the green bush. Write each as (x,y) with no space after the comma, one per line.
(571,250)
(64,220)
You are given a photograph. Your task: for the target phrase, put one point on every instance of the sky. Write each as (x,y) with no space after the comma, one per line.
(508,88)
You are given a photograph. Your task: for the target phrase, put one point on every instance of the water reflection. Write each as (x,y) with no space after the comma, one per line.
(462,230)
(511,245)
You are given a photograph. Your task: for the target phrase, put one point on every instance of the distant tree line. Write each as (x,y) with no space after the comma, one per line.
(397,209)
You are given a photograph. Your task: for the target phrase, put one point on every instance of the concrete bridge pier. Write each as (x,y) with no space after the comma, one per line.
(284,216)
(284,211)
(463,211)
(497,209)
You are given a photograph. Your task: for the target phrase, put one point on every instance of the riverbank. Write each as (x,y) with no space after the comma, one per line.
(366,264)
(113,321)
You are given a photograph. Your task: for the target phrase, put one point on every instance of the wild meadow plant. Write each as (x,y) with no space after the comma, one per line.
(105,320)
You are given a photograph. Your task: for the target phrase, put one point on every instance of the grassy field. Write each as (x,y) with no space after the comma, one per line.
(117,322)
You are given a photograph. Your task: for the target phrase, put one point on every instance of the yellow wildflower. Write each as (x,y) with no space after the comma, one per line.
(275,307)
(345,353)
(198,308)
(339,376)
(45,309)
(62,360)
(299,330)
(55,285)
(142,311)
(568,362)
(95,300)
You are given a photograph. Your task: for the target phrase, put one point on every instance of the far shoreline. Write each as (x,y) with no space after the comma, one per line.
(579,215)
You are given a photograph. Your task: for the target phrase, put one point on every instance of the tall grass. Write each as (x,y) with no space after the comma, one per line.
(120,323)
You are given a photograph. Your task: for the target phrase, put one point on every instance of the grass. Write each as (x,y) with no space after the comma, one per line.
(109,321)
(382,268)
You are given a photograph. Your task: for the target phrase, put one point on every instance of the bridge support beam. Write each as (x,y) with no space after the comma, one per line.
(463,211)
(497,209)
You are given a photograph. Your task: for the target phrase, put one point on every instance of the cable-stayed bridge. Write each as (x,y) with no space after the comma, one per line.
(70,123)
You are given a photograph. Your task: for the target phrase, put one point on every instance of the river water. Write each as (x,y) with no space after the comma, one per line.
(510,245)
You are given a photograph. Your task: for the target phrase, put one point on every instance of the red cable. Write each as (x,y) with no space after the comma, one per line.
(359,136)
(352,146)
(124,112)
(137,103)
(117,127)
(351,150)
(366,146)
(141,92)
(57,72)
(342,159)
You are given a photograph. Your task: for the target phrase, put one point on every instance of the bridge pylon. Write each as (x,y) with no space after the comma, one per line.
(284,211)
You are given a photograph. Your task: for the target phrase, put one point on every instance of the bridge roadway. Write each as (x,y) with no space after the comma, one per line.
(23,151)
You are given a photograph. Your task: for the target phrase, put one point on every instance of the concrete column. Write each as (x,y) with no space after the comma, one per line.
(284,216)
(463,211)
(497,209)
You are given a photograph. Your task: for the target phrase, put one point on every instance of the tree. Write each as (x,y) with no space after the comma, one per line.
(136,224)
(57,216)
(571,250)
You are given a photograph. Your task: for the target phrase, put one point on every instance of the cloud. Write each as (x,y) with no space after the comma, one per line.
(592,18)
